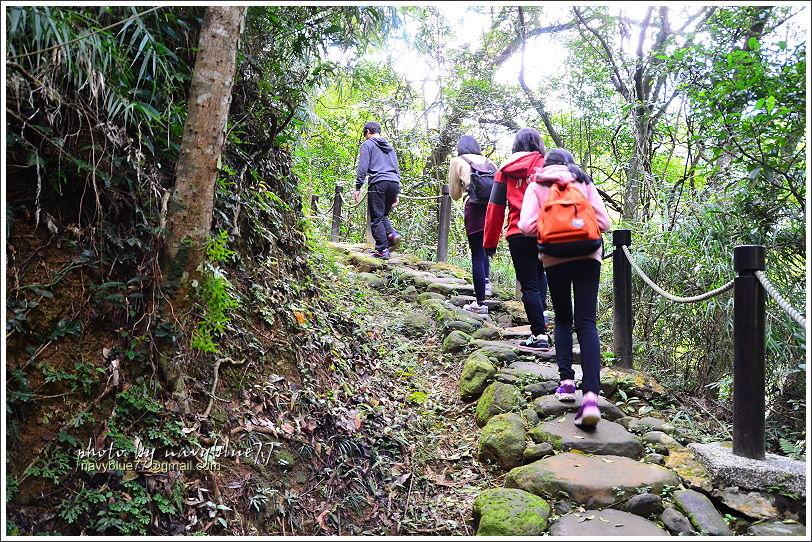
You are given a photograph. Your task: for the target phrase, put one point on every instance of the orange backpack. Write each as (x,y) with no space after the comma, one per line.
(567,226)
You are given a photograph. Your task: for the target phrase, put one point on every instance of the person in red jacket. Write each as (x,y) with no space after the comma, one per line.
(509,186)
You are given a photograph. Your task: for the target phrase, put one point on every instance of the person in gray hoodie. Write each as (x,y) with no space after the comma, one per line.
(378,162)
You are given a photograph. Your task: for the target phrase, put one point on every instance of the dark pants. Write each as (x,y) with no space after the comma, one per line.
(530,274)
(577,280)
(480,264)
(382,195)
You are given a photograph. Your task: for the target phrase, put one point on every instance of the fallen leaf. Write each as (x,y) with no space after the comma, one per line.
(577,465)
(562,420)
(591,517)
(603,520)
(320,518)
(607,460)
(579,436)
(618,525)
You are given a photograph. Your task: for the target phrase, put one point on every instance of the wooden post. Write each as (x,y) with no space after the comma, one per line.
(748,353)
(336,229)
(444,225)
(622,308)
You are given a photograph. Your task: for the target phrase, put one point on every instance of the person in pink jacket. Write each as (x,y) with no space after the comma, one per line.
(571,279)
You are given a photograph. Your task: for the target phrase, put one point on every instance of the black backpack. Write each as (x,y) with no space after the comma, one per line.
(479,190)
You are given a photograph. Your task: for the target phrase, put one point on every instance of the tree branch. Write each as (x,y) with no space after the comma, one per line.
(620,86)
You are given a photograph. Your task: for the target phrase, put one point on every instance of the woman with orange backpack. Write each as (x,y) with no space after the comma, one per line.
(509,187)
(572,276)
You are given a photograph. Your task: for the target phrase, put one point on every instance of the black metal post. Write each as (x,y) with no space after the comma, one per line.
(748,353)
(335,231)
(622,309)
(444,226)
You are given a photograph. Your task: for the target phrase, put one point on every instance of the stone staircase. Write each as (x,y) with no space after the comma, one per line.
(629,476)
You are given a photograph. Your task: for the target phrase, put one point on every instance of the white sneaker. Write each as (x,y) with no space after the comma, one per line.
(488,289)
(475,308)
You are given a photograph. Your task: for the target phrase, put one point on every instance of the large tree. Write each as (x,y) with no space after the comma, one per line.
(190,211)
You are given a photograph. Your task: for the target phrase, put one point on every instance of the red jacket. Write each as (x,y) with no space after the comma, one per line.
(509,186)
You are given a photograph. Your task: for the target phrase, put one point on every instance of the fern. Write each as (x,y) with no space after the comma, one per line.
(794,450)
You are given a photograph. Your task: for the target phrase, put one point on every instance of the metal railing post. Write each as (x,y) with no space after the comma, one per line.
(336,228)
(622,291)
(444,226)
(748,353)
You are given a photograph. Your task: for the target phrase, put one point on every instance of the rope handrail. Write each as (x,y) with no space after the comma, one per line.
(403,196)
(353,205)
(671,297)
(799,318)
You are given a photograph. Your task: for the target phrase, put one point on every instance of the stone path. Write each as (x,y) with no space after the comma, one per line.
(629,476)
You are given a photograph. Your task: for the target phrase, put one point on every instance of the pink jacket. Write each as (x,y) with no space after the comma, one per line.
(537,194)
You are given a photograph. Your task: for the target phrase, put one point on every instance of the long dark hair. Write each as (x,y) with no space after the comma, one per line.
(468,145)
(564,157)
(528,140)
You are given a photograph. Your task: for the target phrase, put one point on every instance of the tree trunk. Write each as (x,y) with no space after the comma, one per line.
(191,205)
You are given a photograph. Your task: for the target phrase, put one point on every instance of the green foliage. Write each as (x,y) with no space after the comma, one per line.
(56,463)
(795,450)
(84,376)
(215,295)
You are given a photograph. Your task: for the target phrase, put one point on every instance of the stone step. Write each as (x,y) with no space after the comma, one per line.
(597,481)
(606,438)
(513,346)
(608,522)
(548,405)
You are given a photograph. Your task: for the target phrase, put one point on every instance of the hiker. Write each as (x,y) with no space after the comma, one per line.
(509,186)
(378,161)
(571,278)
(470,177)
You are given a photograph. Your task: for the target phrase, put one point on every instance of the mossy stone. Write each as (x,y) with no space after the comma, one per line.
(498,398)
(416,324)
(502,441)
(426,297)
(510,512)
(456,341)
(477,373)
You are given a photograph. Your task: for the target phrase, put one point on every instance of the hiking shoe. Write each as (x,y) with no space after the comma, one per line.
(488,289)
(589,414)
(394,239)
(566,391)
(382,254)
(476,308)
(535,343)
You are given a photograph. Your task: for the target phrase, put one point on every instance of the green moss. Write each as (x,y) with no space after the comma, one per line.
(502,441)
(497,399)
(510,512)
(538,434)
(476,374)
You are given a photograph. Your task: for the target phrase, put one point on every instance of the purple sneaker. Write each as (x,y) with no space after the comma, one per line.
(394,239)
(382,254)
(566,391)
(589,414)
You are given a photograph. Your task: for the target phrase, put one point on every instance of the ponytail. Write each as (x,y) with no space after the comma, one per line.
(564,158)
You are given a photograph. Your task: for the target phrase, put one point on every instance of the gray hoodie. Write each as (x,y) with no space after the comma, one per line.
(377,159)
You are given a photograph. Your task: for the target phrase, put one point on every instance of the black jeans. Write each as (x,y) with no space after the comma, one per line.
(382,195)
(577,280)
(530,274)
(480,264)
